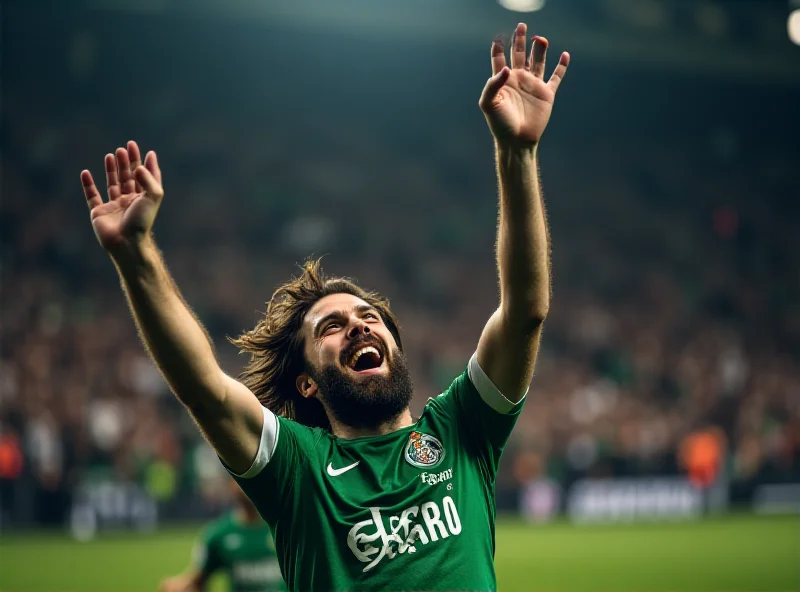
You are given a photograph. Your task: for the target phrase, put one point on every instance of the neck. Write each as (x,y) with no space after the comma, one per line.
(341,430)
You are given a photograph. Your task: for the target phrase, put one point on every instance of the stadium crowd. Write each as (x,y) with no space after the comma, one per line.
(676,303)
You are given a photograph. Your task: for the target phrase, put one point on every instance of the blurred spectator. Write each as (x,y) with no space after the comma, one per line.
(675,304)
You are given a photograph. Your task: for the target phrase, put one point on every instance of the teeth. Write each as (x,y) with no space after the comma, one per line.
(361,352)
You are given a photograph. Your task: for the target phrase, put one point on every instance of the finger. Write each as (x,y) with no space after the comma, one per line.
(518,48)
(126,179)
(559,72)
(136,160)
(93,197)
(498,55)
(112,178)
(151,185)
(151,164)
(538,56)
(493,86)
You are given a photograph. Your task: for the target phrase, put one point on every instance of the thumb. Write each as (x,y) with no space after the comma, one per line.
(146,179)
(151,164)
(493,86)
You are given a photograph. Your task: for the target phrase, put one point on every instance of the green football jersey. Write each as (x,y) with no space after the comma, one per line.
(407,511)
(245,552)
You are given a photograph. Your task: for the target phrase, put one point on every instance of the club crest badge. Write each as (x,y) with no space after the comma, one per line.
(423,450)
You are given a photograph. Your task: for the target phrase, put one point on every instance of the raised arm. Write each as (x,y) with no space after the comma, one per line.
(229,415)
(517,103)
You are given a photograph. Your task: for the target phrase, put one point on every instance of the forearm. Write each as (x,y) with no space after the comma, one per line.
(172,334)
(523,242)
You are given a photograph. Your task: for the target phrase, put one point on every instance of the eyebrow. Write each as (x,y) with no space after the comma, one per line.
(338,314)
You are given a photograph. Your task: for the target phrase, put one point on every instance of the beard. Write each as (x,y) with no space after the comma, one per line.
(367,402)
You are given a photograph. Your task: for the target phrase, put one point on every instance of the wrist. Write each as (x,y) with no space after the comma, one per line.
(516,148)
(515,154)
(135,257)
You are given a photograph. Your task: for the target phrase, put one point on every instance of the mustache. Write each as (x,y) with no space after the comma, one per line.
(358,343)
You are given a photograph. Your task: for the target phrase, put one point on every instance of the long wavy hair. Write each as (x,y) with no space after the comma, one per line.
(276,344)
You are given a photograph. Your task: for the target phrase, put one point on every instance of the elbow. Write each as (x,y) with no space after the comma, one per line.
(202,394)
(526,300)
(535,316)
(529,317)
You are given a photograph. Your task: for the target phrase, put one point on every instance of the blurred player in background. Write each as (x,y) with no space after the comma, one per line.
(240,545)
(359,495)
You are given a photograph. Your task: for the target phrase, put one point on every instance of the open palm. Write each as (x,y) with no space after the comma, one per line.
(517,101)
(134,194)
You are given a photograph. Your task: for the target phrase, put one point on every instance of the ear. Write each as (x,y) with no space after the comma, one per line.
(306,385)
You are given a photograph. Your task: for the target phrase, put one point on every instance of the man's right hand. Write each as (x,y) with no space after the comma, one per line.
(182,583)
(134,195)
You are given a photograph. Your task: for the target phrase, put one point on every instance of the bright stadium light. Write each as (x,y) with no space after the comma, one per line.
(793,26)
(522,5)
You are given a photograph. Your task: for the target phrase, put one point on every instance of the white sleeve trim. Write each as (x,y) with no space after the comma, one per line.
(490,394)
(266,447)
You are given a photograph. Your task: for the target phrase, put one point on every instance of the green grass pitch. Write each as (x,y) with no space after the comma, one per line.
(716,555)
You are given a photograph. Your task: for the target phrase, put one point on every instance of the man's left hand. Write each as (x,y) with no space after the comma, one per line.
(516,101)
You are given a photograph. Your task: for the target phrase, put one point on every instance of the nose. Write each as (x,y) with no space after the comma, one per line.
(358,326)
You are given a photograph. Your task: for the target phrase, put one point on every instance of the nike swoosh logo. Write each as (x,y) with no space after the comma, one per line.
(336,472)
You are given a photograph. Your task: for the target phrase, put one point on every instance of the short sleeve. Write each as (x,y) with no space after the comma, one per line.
(270,481)
(482,412)
(266,445)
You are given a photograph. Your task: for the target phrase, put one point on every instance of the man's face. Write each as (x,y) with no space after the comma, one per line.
(354,365)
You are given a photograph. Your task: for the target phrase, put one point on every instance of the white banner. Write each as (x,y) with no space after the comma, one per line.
(111,505)
(781,498)
(540,500)
(596,500)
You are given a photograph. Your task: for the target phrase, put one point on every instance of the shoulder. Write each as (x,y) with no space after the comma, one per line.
(294,436)
(215,530)
(443,403)
(473,388)
(206,547)
(281,438)
(298,430)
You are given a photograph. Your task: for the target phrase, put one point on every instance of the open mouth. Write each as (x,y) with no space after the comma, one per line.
(365,358)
